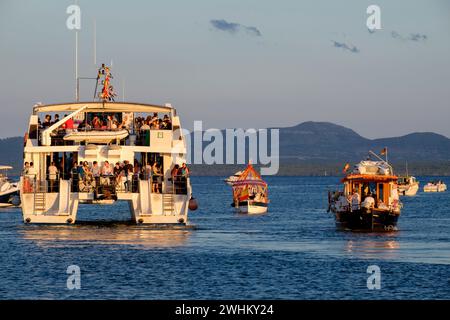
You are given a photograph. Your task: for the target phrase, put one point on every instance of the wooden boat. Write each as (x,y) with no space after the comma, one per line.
(250,192)
(97,136)
(369,200)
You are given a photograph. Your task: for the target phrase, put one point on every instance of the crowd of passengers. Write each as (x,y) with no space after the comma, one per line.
(107,122)
(123,176)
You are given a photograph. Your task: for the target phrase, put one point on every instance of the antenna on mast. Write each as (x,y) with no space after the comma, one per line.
(95,43)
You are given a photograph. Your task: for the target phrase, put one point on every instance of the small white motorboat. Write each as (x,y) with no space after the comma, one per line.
(407,186)
(233,178)
(97,136)
(9,190)
(435,186)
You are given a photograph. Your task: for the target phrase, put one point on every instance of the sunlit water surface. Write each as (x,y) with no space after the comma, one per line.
(292,252)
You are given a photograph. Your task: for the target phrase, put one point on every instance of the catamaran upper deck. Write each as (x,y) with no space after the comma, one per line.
(152,128)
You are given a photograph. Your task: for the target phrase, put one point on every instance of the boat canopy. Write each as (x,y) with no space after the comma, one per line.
(103,107)
(249,177)
(369,178)
(249,185)
(5,167)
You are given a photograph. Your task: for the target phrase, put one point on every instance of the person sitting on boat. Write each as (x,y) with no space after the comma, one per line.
(369,202)
(355,200)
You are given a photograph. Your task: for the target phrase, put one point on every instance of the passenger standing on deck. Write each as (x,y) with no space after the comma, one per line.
(68,125)
(356,200)
(174,177)
(184,174)
(26,167)
(75,176)
(47,121)
(369,202)
(148,171)
(52,176)
(96,172)
(156,177)
(128,170)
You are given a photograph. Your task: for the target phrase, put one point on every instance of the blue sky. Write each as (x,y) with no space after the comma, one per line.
(239,63)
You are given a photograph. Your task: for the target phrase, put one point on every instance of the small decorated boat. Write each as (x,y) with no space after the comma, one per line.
(435,186)
(250,192)
(369,200)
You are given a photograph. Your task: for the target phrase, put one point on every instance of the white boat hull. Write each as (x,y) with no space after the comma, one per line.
(435,188)
(250,208)
(408,190)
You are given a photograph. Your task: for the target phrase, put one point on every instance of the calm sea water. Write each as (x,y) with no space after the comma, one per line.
(292,252)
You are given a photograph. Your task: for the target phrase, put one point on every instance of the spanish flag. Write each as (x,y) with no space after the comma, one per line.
(384,151)
(346,167)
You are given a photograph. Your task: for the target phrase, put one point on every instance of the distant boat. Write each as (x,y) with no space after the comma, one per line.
(233,178)
(250,192)
(9,190)
(408,186)
(435,186)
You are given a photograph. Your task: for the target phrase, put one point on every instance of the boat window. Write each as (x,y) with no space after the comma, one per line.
(381,192)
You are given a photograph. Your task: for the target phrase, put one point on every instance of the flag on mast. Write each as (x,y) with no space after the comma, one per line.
(346,167)
(384,151)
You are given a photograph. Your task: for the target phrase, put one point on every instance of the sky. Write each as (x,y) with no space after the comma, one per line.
(237,63)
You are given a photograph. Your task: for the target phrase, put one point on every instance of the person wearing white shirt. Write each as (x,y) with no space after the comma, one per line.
(52,175)
(369,202)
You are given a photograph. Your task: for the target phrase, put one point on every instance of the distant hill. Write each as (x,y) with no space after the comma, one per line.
(326,141)
(11,153)
(316,148)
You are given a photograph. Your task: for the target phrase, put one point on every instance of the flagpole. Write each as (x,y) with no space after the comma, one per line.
(77,93)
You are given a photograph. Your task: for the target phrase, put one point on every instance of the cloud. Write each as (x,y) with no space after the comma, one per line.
(344,46)
(233,27)
(416,37)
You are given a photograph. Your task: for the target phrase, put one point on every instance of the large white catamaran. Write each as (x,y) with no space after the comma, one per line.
(100,151)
